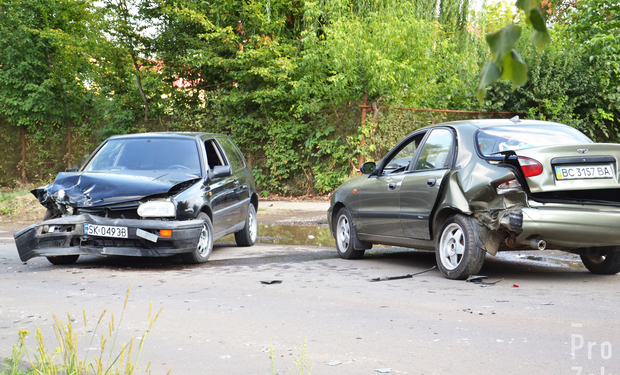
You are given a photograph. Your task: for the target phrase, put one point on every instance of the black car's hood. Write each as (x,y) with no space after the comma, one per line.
(91,189)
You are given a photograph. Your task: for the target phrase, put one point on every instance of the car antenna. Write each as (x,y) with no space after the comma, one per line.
(515,119)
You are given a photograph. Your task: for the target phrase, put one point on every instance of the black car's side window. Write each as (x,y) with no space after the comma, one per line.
(436,150)
(214,154)
(236,162)
(402,159)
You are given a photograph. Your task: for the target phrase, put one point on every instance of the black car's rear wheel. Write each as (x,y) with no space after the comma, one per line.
(602,260)
(456,252)
(64,259)
(345,236)
(247,235)
(205,243)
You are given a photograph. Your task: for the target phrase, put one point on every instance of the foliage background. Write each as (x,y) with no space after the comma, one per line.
(284,78)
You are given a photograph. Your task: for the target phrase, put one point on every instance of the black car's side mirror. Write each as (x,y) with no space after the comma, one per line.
(368,167)
(221,171)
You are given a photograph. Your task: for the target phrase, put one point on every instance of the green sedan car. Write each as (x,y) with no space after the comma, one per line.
(467,188)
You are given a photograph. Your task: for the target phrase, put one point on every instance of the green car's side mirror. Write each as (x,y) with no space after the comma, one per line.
(368,167)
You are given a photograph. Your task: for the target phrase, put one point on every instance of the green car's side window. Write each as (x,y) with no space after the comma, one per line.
(400,162)
(435,151)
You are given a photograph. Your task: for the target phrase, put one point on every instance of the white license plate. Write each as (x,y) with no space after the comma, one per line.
(585,172)
(105,231)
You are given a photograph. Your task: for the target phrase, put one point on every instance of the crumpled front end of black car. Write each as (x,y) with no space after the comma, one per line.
(69,235)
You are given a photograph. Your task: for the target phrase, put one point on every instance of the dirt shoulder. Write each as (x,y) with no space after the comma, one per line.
(292,212)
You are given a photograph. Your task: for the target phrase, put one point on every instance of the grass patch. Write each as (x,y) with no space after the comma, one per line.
(65,359)
(11,201)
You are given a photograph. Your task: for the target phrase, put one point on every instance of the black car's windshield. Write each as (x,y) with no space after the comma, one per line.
(515,137)
(143,154)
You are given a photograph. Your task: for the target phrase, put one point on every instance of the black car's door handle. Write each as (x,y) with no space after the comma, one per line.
(431,182)
(391,186)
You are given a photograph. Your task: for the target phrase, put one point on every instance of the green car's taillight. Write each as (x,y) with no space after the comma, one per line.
(530,167)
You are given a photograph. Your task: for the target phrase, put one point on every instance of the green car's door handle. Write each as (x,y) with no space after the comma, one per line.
(431,182)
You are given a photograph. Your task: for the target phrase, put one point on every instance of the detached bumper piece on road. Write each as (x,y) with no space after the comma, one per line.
(66,236)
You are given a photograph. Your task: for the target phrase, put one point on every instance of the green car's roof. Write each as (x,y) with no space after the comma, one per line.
(485,123)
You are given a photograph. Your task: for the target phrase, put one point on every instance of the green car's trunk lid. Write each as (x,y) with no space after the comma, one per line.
(584,173)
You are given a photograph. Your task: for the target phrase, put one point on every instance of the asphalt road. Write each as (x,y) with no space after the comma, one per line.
(218,318)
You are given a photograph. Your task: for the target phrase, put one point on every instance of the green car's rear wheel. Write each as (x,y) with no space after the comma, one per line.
(456,252)
(602,260)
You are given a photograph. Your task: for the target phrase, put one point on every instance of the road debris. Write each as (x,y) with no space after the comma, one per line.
(548,304)
(333,363)
(269,282)
(383,370)
(408,276)
(479,279)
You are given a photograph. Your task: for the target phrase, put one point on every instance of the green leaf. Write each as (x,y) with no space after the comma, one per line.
(527,5)
(489,74)
(540,37)
(537,20)
(502,41)
(515,69)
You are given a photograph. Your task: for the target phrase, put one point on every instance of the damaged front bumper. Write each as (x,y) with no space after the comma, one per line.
(67,237)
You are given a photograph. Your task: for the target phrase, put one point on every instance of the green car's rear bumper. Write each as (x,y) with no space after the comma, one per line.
(571,226)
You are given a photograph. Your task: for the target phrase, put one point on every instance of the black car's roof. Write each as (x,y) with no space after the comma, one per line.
(168,135)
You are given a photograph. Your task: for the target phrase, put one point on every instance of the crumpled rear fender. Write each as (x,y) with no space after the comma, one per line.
(471,190)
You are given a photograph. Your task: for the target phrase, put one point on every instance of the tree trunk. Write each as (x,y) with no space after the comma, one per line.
(69,144)
(360,159)
(139,80)
(24,154)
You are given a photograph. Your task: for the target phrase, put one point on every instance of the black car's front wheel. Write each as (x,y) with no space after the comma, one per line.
(247,235)
(345,236)
(63,259)
(205,243)
(457,254)
(602,260)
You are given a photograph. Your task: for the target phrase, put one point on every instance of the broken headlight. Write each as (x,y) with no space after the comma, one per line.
(157,209)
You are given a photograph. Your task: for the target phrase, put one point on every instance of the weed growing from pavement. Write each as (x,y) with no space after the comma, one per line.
(65,359)
(302,361)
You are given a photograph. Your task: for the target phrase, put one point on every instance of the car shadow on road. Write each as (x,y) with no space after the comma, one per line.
(382,261)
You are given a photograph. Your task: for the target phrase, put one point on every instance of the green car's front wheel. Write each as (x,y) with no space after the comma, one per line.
(345,236)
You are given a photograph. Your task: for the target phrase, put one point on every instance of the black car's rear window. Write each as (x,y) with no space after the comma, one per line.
(142,154)
(514,137)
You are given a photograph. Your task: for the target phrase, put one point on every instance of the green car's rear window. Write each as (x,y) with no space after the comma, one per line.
(514,137)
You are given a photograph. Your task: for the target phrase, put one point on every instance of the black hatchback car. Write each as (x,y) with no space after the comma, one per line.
(154,195)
